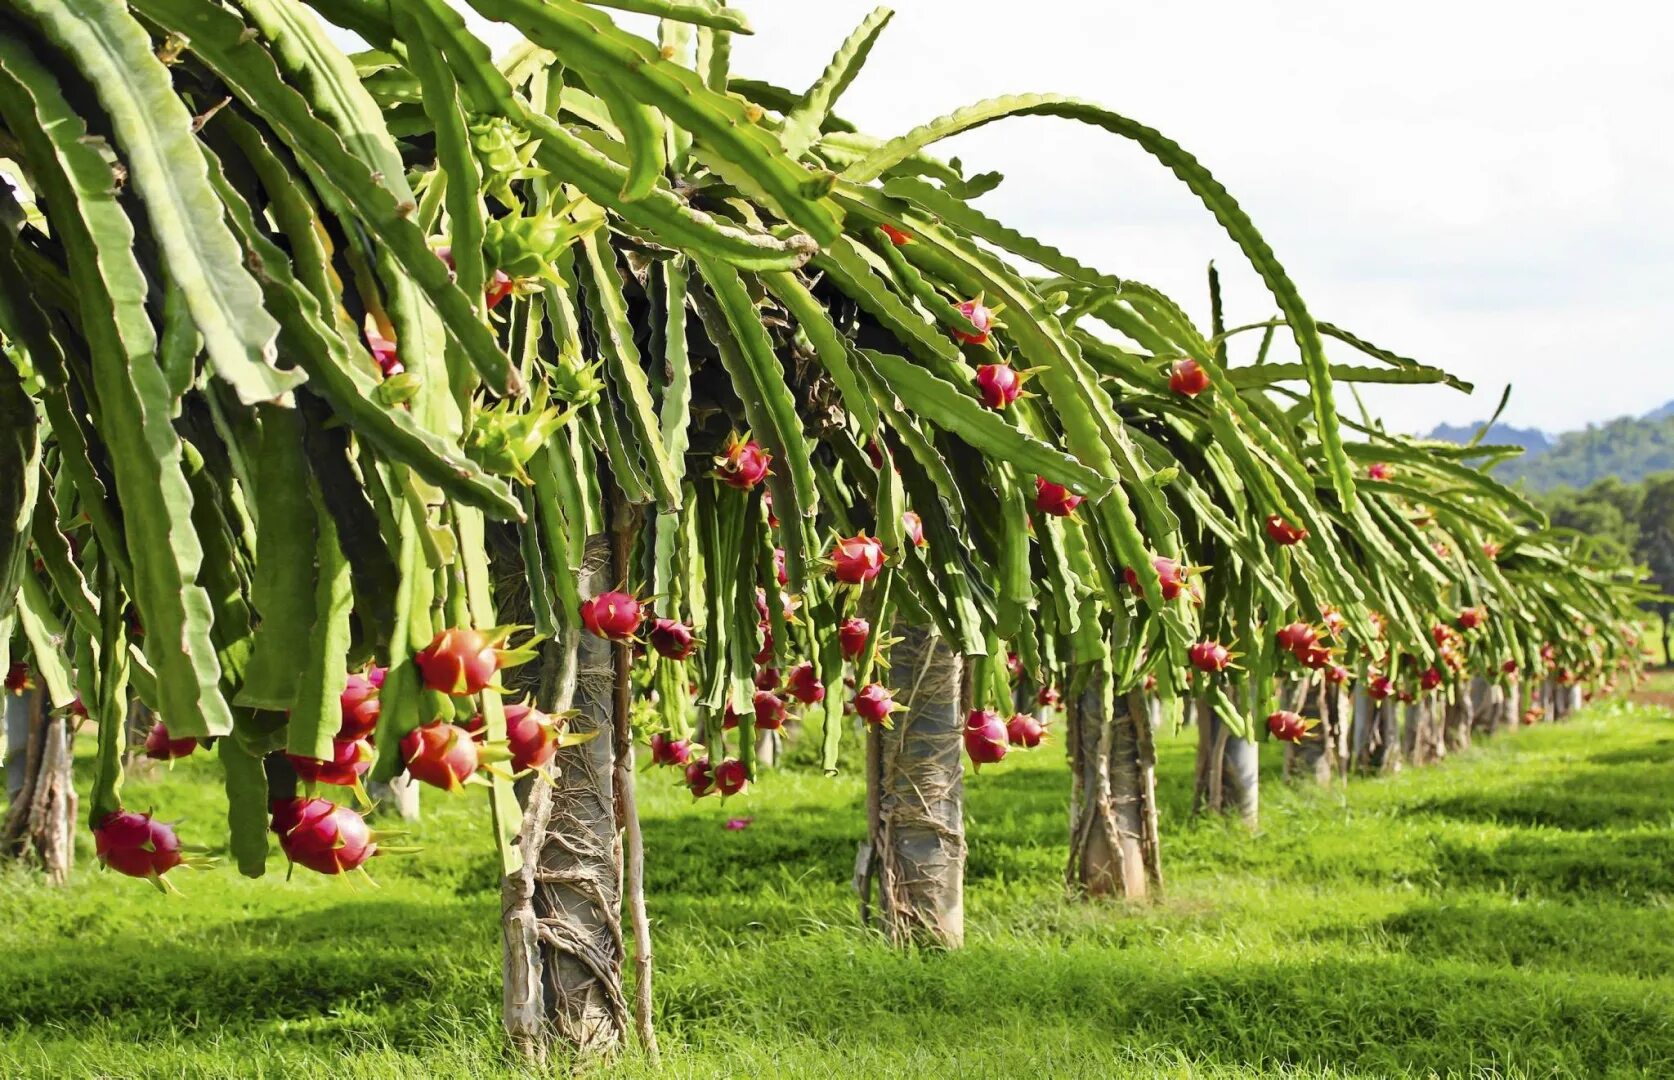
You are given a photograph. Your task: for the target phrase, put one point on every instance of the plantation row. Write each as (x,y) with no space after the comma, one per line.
(420,417)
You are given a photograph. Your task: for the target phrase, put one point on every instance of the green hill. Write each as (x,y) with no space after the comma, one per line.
(1629,448)
(1533,440)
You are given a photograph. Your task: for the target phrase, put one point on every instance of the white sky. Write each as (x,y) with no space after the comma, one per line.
(1485,186)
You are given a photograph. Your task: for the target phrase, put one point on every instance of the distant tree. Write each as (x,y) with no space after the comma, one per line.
(1607,512)
(1656,542)
(1625,496)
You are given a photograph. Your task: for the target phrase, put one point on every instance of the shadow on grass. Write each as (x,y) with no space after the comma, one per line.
(347,971)
(1635,867)
(1615,790)
(349,957)
(1377,1016)
(1661,751)
(1472,928)
(761,961)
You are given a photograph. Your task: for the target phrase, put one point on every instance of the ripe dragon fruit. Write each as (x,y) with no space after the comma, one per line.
(1297,637)
(856,560)
(1024,730)
(161,747)
(531,736)
(1172,578)
(1287,726)
(770,711)
(1315,657)
(731,777)
(980,318)
(1210,657)
(804,684)
(672,639)
(459,661)
(700,778)
(852,637)
(986,737)
(913,527)
(1188,378)
(668,750)
(999,385)
(137,845)
(744,464)
(1055,499)
(440,754)
(612,615)
(321,835)
(350,759)
(359,705)
(1283,533)
(874,704)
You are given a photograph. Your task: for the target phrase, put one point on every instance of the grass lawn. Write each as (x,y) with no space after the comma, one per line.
(1510,913)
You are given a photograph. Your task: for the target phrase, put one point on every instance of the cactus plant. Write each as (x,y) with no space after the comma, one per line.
(284,435)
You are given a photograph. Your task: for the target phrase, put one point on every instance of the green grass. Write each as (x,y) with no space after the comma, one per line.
(1506,914)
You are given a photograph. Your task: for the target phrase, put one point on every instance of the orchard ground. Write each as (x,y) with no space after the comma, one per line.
(1509,913)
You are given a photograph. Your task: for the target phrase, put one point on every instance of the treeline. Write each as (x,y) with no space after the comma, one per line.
(1629,448)
(1622,519)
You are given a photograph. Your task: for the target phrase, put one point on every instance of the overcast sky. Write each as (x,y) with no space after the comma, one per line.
(1485,186)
